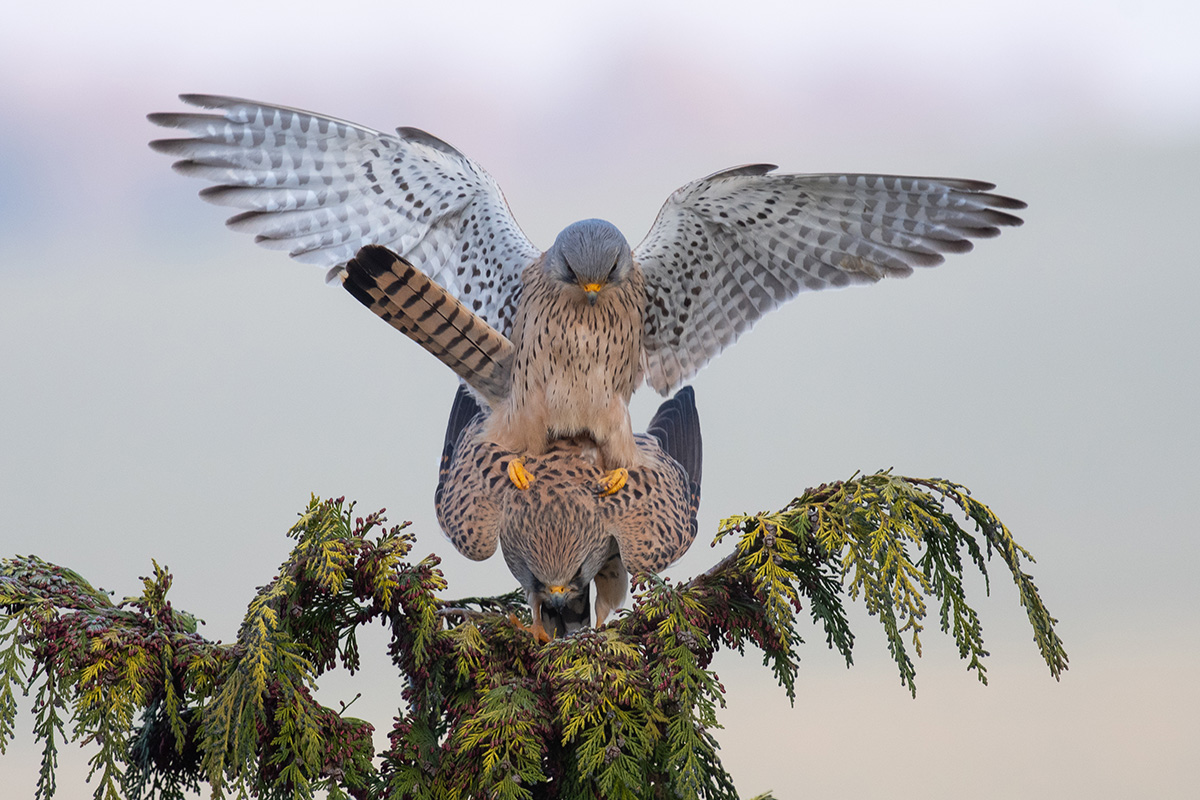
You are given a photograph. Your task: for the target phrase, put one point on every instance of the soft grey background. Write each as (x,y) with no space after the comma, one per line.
(169,390)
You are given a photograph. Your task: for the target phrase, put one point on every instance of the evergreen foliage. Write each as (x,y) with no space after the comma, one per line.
(626,711)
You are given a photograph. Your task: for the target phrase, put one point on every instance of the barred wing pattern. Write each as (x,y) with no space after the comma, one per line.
(321,188)
(728,248)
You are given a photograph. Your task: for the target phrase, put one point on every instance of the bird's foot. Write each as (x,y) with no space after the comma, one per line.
(520,477)
(612,481)
(537,629)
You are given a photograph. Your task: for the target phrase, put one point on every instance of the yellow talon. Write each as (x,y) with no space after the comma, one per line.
(520,477)
(536,629)
(612,482)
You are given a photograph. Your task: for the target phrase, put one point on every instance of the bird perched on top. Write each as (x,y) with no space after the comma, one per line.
(590,317)
(560,535)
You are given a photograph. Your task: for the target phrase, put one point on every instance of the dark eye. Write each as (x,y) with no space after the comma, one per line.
(613,268)
(568,273)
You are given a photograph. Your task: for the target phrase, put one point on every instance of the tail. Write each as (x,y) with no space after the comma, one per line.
(422,310)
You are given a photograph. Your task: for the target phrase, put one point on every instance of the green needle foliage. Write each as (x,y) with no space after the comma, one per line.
(627,711)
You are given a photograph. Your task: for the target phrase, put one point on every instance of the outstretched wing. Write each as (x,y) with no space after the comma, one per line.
(728,248)
(321,188)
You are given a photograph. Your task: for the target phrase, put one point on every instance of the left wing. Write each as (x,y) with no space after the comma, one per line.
(728,248)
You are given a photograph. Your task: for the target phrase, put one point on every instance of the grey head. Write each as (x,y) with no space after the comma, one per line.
(591,254)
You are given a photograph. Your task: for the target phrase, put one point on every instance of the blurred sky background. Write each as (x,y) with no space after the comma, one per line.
(169,390)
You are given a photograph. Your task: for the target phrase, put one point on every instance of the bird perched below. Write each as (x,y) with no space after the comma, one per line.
(561,535)
(590,317)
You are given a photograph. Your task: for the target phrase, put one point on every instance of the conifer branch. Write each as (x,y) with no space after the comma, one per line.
(626,711)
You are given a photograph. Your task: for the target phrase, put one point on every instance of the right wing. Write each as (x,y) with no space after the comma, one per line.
(322,188)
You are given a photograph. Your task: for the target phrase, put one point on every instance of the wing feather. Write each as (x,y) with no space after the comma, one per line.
(321,188)
(728,248)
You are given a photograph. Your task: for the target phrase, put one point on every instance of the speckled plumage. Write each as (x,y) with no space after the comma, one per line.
(576,361)
(321,188)
(569,369)
(723,251)
(560,532)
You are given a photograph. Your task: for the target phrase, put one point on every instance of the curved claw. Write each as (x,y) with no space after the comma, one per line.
(520,477)
(612,482)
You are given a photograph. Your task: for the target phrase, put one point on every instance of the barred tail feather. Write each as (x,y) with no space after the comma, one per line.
(418,307)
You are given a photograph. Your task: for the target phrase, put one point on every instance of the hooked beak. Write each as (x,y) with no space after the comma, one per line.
(557,595)
(592,290)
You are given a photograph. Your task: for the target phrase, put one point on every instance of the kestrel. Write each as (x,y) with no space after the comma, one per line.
(560,535)
(590,317)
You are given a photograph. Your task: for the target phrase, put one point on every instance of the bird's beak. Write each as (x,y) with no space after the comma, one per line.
(592,290)
(557,595)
